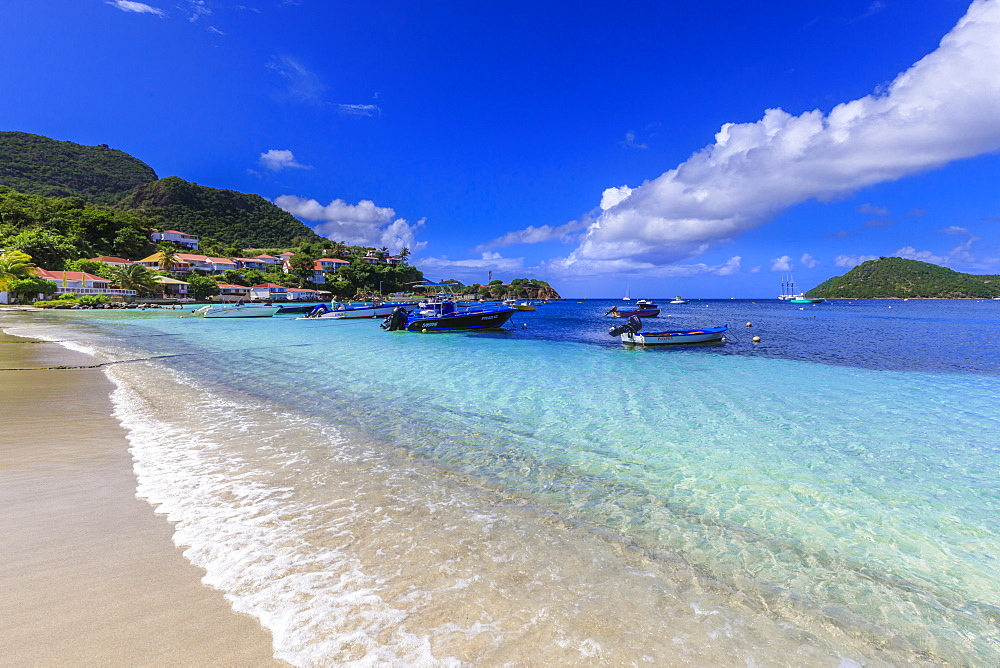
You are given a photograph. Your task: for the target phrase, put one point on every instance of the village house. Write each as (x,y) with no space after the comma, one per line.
(82,283)
(268,292)
(179,238)
(112,261)
(232,293)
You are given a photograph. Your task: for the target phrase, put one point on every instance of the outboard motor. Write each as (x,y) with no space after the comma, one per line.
(395,320)
(318,310)
(632,326)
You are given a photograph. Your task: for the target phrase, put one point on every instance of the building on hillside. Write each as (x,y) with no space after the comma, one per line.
(172,288)
(268,259)
(180,238)
(395,260)
(221,264)
(112,261)
(302,294)
(232,293)
(257,263)
(153,263)
(269,292)
(82,283)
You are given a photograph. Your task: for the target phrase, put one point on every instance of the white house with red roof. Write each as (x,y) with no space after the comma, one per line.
(268,292)
(180,238)
(82,283)
(153,263)
(231,293)
(112,261)
(257,263)
(302,294)
(221,264)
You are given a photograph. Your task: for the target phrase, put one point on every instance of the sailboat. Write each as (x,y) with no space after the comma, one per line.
(788,293)
(626,298)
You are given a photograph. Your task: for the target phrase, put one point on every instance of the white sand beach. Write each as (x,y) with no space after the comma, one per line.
(90,575)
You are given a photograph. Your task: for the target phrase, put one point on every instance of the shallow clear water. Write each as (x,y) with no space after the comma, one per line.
(546,495)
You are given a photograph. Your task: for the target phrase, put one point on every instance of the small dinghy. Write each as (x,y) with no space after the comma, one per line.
(631,333)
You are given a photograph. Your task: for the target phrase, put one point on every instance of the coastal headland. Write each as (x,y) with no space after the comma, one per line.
(90,574)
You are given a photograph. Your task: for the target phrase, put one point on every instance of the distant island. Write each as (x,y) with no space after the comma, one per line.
(898,278)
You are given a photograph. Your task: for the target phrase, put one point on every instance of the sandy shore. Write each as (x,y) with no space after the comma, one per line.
(89,573)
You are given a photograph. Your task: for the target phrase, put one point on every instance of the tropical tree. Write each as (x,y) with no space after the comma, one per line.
(202,287)
(14,265)
(23,289)
(168,256)
(134,277)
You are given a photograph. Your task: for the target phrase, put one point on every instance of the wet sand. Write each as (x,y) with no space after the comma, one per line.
(89,572)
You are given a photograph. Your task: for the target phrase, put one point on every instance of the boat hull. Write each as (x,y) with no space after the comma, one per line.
(675,337)
(806,301)
(241,311)
(642,313)
(493,319)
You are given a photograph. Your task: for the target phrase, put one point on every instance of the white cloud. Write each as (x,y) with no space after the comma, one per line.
(954,229)
(783,263)
(198,9)
(851,261)
(360,109)
(473,266)
(808,261)
(944,108)
(362,224)
(136,7)
(302,84)
(872,210)
(534,235)
(564,268)
(911,253)
(278,159)
(630,141)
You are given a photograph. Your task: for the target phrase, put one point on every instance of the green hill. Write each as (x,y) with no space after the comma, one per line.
(895,277)
(98,175)
(224,215)
(41,166)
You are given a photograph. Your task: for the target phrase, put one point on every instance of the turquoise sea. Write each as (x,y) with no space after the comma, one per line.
(544,495)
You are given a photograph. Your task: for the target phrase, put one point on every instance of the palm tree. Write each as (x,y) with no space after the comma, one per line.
(14,265)
(133,277)
(168,257)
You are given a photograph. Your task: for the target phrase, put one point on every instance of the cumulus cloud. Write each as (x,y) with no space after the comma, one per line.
(136,7)
(808,261)
(783,263)
(944,108)
(851,261)
(279,159)
(534,235)
(563,267)
(363,224)
(472,267)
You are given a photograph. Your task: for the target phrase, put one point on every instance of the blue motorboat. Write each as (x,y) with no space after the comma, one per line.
(442,313)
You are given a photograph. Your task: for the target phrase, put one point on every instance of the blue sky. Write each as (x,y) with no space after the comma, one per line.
(701,149)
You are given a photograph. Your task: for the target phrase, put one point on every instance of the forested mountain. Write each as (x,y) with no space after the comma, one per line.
(227,216)
(889,277)
(104,201)
(41,166)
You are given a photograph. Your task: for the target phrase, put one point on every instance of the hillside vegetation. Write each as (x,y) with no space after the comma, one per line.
(895,277)
(83,179)
(41,166)
(226,216)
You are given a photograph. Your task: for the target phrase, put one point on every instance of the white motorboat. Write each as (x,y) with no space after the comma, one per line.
(237,311)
